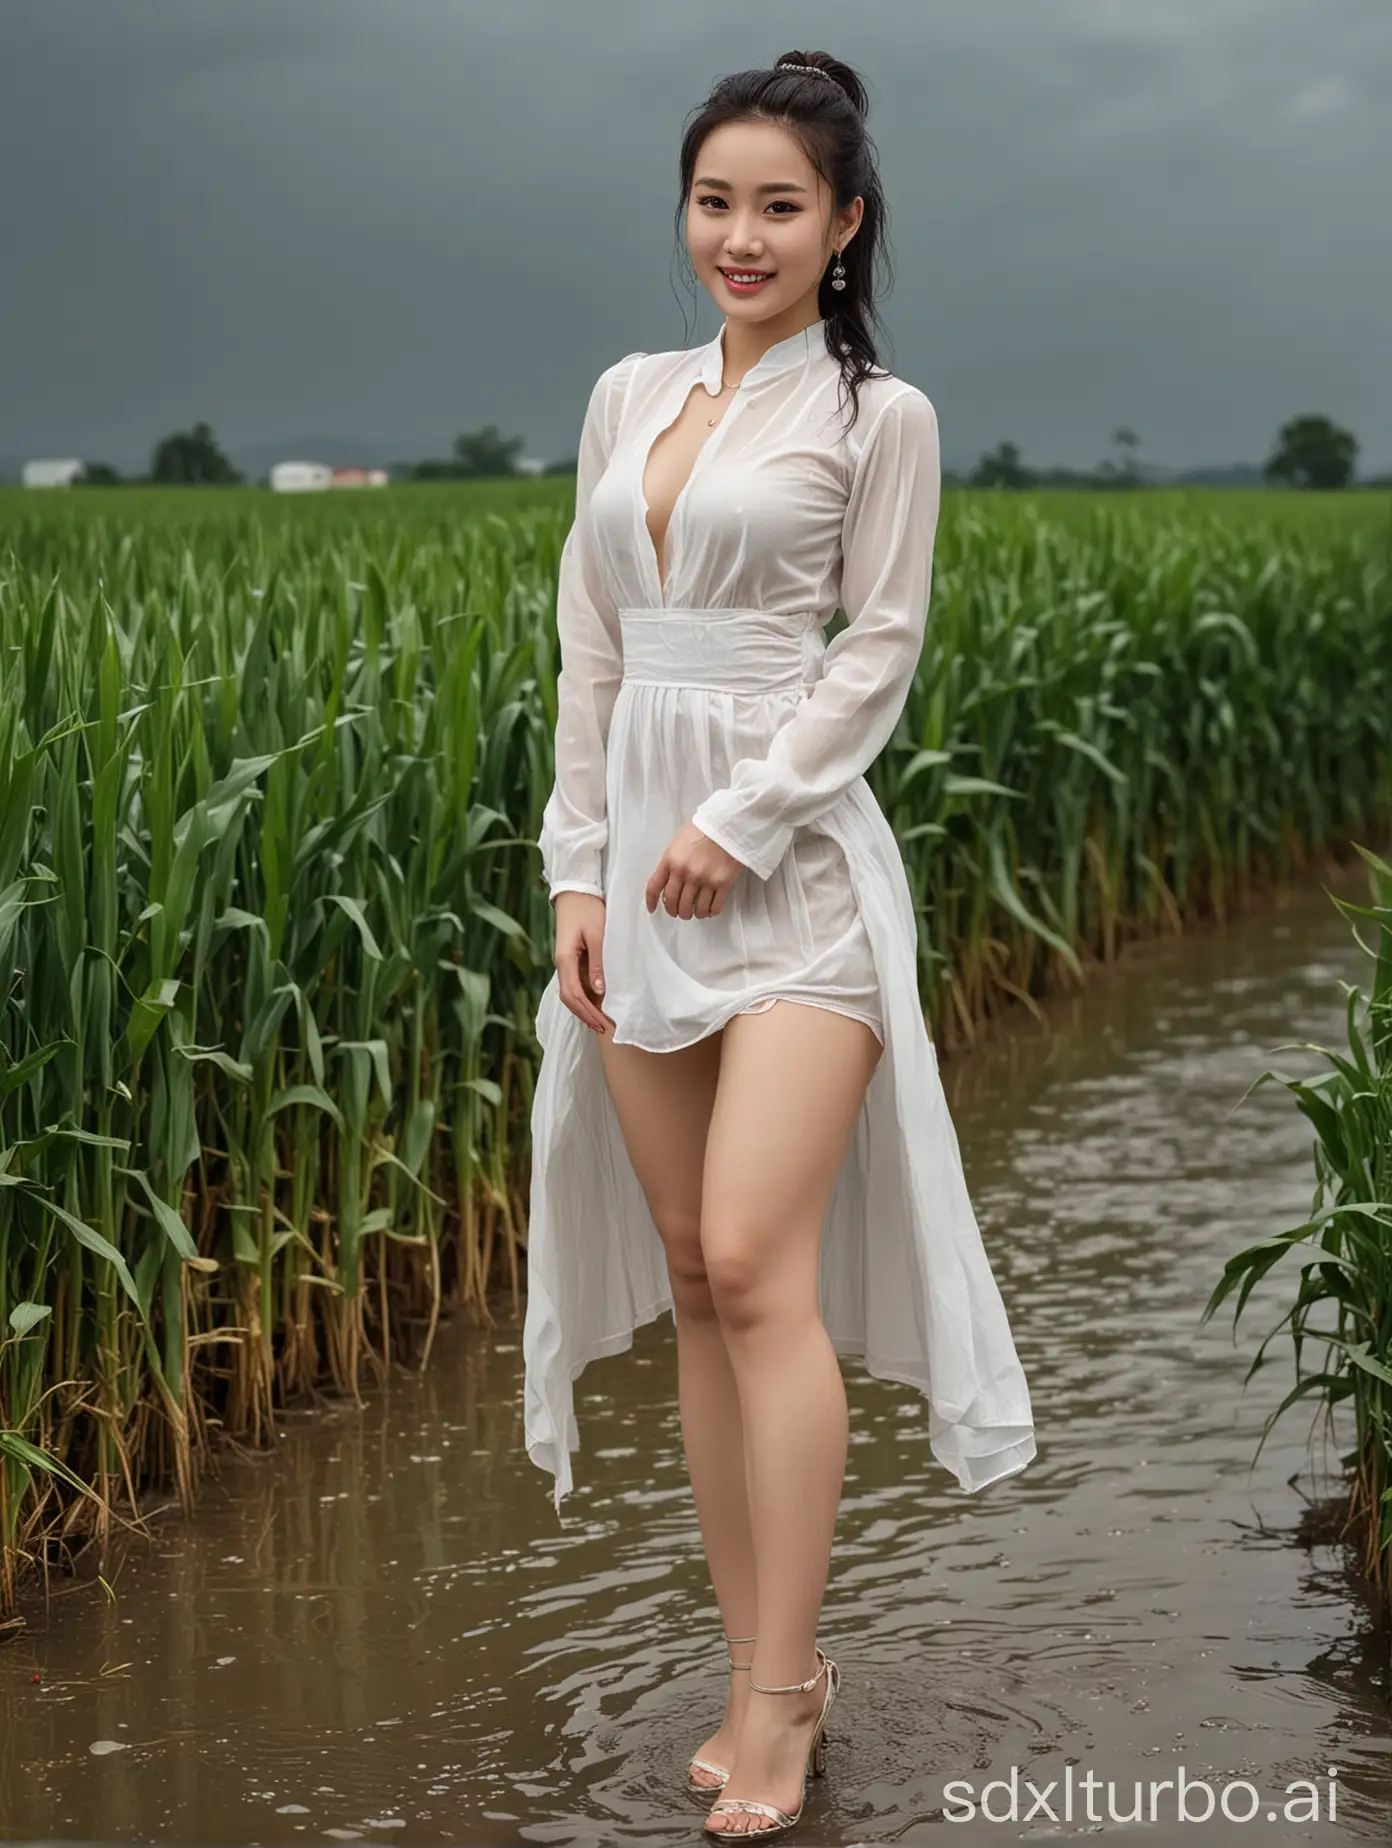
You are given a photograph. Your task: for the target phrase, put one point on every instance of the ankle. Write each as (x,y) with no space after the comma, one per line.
(790,1687)
(739,1653)
(780,1715)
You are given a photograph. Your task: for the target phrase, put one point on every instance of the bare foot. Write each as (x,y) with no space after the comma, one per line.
(770,1761)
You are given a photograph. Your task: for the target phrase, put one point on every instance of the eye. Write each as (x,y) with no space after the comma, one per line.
(715,199)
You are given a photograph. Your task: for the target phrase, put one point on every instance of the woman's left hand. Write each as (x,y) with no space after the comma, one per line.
(693,876)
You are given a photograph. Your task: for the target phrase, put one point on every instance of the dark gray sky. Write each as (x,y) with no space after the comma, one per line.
(396,219)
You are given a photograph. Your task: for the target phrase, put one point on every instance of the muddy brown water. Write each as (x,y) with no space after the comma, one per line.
(382,1633)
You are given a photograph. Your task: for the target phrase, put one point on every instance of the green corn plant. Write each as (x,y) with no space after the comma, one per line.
(1342,1303)
(272,934)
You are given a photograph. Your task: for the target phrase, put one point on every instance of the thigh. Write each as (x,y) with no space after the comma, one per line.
(791,1084)
(663,1101)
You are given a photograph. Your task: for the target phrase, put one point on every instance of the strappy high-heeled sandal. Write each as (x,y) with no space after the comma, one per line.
(779,1820)
(694,1785)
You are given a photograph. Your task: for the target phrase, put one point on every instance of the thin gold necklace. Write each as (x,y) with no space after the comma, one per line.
(712,421)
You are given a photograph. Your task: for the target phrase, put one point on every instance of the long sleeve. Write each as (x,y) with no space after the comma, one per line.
(575,825)
(849,716)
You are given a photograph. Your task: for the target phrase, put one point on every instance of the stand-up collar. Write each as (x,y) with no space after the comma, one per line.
(797,350)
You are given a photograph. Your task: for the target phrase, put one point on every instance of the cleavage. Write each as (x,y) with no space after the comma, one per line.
(671,461)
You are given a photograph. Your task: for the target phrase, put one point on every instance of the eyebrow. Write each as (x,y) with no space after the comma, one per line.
(772,186)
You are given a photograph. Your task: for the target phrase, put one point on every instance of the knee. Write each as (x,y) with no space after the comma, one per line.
(739,1283)
(686,1265)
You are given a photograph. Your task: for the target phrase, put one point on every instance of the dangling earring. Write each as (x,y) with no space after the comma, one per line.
(838,275)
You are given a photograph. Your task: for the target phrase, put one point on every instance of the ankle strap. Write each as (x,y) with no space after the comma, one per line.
(734,1665)
(796,1687)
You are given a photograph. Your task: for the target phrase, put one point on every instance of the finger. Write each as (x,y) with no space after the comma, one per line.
(722,892)
(592,980)
(573,991)
(705,901)
(585,1011)
(653,890)
(594,1014)
(672,894)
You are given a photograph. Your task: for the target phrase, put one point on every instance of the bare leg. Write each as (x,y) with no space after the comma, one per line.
(791,1084)
(663,1102)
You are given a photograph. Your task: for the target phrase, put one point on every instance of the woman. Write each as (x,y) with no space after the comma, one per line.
(738,1115)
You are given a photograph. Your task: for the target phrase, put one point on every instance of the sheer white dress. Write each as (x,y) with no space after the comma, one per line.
(715,699)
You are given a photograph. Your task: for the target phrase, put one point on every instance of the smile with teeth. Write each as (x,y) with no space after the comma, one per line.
(746,275)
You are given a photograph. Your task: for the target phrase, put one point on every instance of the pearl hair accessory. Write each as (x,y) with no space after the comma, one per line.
(815,69)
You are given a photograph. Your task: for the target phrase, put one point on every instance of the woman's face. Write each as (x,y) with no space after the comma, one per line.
(758,204)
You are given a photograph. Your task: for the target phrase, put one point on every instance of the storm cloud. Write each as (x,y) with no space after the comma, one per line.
(392,220)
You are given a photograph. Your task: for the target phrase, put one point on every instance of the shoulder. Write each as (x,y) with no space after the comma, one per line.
(623,370)
(654,371)
(892,409)
(893,447)
(613,383)
(609,394)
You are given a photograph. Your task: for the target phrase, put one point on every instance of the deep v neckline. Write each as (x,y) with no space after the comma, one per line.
(645,456)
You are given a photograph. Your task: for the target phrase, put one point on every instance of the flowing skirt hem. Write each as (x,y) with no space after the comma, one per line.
(962,1448)
(904,1272)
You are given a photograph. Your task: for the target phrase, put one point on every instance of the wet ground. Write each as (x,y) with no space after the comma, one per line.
(383,1633)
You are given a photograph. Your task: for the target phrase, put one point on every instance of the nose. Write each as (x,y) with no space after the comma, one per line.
(744,253)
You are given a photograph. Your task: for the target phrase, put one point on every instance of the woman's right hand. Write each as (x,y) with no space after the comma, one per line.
(579,956)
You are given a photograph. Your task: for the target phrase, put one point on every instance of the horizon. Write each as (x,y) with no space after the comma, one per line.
(257,457)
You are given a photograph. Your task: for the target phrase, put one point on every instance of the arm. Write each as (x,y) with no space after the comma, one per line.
(847,719)
(575,825)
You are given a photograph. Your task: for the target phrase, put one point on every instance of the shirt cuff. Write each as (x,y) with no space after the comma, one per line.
(762,860)
(574,885)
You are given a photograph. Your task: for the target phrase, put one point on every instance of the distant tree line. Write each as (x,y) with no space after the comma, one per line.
(1311,451)
(193,458)
(186,458)
(478,455)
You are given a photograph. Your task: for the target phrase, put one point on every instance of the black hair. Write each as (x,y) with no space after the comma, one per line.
(828,122)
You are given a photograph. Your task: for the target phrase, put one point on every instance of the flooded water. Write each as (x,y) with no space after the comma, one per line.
(383,1632)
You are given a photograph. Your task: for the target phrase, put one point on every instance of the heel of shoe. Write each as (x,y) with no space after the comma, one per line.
(817,1763)
(819,1755)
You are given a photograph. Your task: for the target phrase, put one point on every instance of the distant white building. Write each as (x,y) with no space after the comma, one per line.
(531,465)
(53,474)
(300,477)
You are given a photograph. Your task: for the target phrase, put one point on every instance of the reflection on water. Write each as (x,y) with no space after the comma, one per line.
(384,1633)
